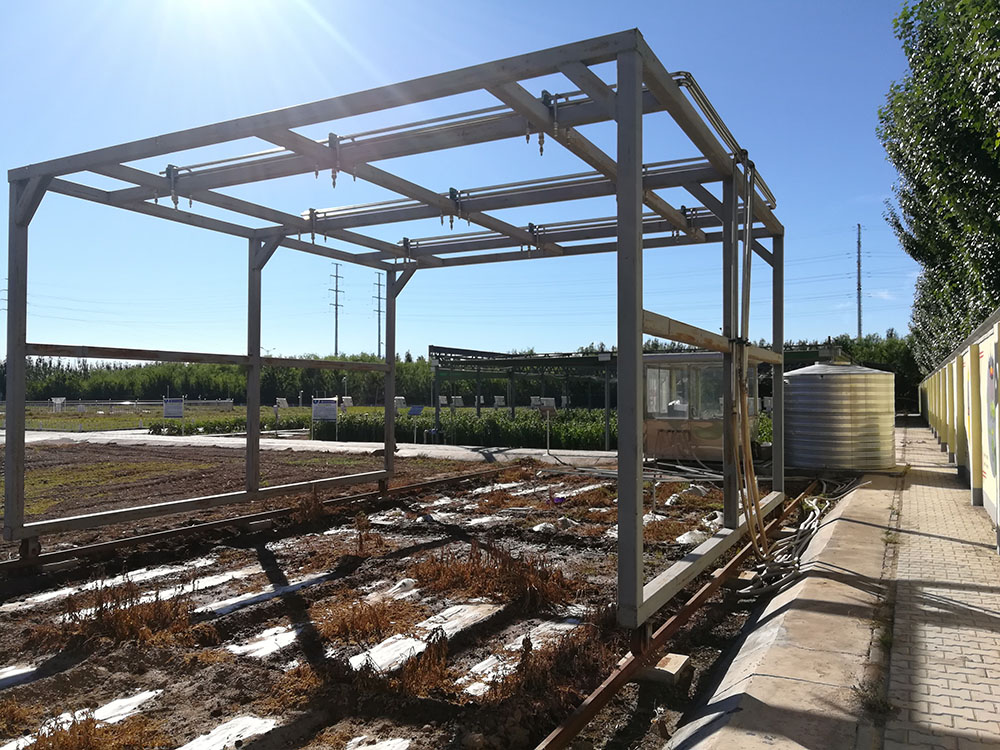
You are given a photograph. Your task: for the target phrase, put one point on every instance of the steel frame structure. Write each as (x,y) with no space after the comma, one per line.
(643,86)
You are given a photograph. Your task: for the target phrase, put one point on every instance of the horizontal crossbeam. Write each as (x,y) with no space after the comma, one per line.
(545,62)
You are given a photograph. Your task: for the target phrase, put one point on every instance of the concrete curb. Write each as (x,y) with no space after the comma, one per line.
(789,683)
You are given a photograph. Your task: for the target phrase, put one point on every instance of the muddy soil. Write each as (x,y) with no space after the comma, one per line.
(422,622)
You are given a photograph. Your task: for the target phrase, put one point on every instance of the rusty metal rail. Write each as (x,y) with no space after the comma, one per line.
(645,649)
(99,548)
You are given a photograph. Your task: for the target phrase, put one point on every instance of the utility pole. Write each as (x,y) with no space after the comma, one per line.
(378,298)
(859,282)
(336,307)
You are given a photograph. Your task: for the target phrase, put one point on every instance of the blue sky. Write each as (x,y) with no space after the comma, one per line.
(798,83)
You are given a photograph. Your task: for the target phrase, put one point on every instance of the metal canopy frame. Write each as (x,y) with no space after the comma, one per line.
(644,219)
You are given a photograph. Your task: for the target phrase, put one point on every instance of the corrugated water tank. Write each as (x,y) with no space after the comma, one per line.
(840,417)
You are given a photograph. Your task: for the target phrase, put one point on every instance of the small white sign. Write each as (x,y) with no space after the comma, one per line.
(347,401)
(173,408)
(282,403)
(324,409)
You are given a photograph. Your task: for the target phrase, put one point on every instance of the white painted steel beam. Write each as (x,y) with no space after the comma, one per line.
(251,474)
(778,368)
(290,222)
(532,65)
(628,172)
(157,510)
(517,98)
(16,387)
(672,581)
(465,132)
(668,93)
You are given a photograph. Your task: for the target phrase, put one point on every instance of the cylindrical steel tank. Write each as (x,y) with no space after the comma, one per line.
(840,417)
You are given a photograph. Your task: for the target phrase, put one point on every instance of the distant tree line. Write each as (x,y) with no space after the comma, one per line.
(47,378)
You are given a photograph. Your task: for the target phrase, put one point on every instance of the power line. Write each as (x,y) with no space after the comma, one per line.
(859,282)
(336,307)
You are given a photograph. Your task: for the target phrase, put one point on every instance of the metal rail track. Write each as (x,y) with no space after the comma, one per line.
(645,649)
(93,550)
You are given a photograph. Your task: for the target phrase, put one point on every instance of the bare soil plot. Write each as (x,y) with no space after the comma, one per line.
(476,616)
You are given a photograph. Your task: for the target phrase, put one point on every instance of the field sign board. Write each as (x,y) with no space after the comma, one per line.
(173,408)
(348,402)
(282,403)
(415,411)
(324,409)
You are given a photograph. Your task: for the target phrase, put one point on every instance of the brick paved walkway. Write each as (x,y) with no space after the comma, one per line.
(944,674)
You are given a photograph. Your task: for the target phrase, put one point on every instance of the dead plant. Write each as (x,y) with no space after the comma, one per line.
(550,681)
(309,508)
(428,672)
(496,500)
(17,717)
(362,622)
(303,684)
(134,733)
(666,530)
(528,583)
(367,537)
(122,613)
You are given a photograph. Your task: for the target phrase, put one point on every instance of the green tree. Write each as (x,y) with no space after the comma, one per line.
(940,128)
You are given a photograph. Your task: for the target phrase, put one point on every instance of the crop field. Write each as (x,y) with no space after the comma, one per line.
(476,616)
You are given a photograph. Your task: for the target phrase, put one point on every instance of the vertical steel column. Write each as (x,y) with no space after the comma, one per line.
(17,331)
(479,392)
(511,393)
(252,472)
(778,371)
(390,377)
(630,391)
(730,291)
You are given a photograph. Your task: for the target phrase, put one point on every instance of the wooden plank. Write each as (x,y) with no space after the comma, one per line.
(544,62)
(144,355)
(670,582)
(654,324)
(136,513)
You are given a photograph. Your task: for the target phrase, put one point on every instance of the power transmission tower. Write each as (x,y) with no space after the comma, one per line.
(378,298)
(859,282)
(336,307)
